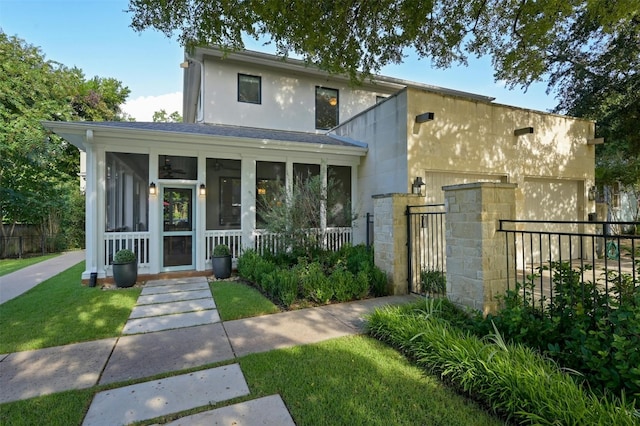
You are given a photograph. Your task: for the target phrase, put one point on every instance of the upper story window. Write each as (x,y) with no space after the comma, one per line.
(249,88)
(327,106)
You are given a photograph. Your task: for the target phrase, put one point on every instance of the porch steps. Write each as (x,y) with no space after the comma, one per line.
(173,297)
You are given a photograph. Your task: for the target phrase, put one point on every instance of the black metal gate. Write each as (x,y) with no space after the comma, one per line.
(426,249)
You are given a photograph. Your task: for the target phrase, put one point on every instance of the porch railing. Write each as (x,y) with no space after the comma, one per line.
(230,237)
(138,242)
(334,239)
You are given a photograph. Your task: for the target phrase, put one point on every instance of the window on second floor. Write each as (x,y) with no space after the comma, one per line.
(327,106)
(249,89)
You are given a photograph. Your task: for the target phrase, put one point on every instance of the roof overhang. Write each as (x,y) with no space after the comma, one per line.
(84,134)
(301,67)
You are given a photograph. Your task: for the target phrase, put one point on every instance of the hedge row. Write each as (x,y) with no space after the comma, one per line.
(341,276)
(513,380)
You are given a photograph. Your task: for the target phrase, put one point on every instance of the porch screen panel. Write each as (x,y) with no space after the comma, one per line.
(126,192)
(223,193)
(306,177)
(339,196)
(270,179)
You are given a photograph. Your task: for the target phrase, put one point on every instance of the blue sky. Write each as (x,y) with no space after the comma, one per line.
(95,36)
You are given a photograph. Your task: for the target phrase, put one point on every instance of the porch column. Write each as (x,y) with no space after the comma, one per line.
(476,251)
(248,201)
(155,217)
(201,212)
(390,237)
(91,217)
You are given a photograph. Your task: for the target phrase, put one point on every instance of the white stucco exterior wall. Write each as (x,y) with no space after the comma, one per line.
(288,99)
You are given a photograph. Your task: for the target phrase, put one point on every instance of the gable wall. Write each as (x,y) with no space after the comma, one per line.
(288,99)
(476,138)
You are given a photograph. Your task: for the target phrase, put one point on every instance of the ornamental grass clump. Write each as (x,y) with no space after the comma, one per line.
(513,380)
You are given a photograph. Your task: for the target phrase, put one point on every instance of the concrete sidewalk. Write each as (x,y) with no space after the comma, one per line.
(175,326)
(20,281)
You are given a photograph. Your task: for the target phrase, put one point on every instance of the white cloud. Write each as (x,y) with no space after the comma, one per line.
(143,107)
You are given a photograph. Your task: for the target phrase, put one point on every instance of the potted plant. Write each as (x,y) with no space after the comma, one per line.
(125,268)
(221,261)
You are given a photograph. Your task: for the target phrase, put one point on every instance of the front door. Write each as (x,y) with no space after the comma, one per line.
(178,228)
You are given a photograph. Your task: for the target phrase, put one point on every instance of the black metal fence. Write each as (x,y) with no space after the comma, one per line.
(369,230)
(426,251)
(549,259)
(25,245)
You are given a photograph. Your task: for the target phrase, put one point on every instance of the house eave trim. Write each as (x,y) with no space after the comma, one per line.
(67,129)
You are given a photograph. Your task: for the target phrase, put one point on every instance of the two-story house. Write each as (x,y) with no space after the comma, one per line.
(172,191)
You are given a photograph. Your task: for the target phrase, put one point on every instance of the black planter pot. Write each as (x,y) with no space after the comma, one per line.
(221,266)
(125,274)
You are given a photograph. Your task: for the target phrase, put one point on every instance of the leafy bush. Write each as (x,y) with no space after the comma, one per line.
(320,276)
(286,288)
(433,281)
(583,329)
(314,282)
(124,256)
(221,250)
(513,380)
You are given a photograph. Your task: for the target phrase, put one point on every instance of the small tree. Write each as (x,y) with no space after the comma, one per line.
(297,215)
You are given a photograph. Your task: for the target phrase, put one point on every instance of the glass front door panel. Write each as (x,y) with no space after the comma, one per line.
(177,228)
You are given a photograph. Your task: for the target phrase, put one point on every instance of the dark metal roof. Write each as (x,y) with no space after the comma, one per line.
(226,131)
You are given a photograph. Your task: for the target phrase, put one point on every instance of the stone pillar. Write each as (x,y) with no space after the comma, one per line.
(390,237)
(476,252)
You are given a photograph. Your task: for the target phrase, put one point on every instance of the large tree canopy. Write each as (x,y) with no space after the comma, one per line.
(39,171)
(526,39)
(588,51)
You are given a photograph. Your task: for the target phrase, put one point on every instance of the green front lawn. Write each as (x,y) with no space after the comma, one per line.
(8,266)
(347,381)
(236,300)
(60,311)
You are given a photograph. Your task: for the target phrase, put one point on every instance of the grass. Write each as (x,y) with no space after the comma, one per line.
(357,381)
(60,311)
(60,409)
(352,380)
(8,266)
(236,300)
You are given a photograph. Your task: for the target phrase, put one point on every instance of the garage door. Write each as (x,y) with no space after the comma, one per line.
(552,200)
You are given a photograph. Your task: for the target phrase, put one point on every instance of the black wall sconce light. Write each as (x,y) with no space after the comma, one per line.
(203,189)
(152,189)
(593,193)
(424,117)
(523,131)
(416,186)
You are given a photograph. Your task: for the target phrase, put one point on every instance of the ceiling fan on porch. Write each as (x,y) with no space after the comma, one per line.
(220,165)
(167,171)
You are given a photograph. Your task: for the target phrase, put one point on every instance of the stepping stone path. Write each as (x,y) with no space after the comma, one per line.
(175,325)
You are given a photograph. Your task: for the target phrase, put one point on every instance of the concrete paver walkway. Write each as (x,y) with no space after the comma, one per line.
(175,326)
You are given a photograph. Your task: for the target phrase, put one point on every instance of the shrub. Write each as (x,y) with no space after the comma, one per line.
(513,380)
(315,284)
(221,250)
(286,286)
(124,256)
(582,328)
(433,281)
